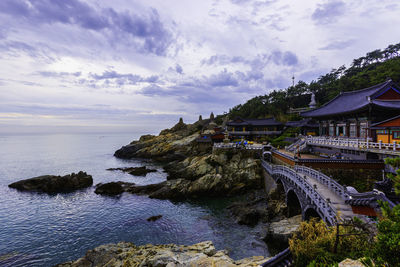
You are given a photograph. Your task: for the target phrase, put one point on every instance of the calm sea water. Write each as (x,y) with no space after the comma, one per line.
(43,230)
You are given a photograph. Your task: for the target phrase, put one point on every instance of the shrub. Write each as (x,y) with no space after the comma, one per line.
(314,241)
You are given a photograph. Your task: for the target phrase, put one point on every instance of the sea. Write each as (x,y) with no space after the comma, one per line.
(38,229)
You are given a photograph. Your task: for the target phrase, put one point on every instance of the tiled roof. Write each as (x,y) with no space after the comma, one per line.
(353,101)
(303,123)
(378,123)
(254,122)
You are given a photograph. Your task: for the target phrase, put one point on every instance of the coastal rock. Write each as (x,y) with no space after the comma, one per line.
(277,207)
(171,144)
(154,218)
(251,210)
(137,171)
(127,254)
(205,176)
(281,231)
(55,184)
(113,188)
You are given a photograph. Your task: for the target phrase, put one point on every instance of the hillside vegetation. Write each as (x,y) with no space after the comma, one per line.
(375,67)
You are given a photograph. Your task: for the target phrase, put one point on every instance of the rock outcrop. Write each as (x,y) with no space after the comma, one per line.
(193,171)
(282,230)
(136,171)
(127,254)
(113,188)
(172,144)
(55,184)
(252,210)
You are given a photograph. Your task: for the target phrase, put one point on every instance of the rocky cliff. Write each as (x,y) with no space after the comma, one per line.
(171,144)
(194,170)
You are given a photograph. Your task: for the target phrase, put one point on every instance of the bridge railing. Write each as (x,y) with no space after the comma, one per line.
(326,208)
(334,186)
(284,258)
(236,145)
(352,143)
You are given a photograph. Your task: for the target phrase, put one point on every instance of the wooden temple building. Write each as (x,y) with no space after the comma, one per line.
(371,113)
(306,126)
(253,129)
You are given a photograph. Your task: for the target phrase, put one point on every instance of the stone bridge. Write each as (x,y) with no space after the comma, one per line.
(314,194)
(311,193)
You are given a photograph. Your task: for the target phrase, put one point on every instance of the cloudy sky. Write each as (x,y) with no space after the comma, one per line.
(126,65)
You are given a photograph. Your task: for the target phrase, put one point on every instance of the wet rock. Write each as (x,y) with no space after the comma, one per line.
(55,184)
(113,188)
(127,254)
(137,171)
(154,218)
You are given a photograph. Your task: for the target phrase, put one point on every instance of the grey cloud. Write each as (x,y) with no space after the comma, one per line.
(58,74)
(328,12)
(41,51)
(123,79)
(148,29)
(336,45)
(155,90)
(223,78)
(178,69)
(284,58)
(258,62)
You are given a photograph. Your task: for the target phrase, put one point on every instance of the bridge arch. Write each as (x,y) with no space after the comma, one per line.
(310,213)
(280,186)
(293,203)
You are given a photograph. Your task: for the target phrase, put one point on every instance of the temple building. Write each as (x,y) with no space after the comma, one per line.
(254,129)
(355,114)
(387,131)
(306,126)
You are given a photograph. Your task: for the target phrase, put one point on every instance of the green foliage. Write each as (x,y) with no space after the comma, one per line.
(279,141)
(395,163)
(387,246)
(314,243)
(375,67)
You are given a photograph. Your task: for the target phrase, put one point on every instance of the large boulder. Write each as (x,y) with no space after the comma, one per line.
(282,230)
(55,184)
(171,255)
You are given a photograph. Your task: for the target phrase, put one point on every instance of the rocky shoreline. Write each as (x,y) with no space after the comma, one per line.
(194,171)
(171,255)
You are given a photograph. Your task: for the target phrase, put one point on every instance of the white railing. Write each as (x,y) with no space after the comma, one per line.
(352,143)
(254,132)
(334,186)
(325,207)
(236,145)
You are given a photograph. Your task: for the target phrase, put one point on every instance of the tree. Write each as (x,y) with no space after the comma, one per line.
(386,251)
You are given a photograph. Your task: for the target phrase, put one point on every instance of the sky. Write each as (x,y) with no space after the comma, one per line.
(138,66)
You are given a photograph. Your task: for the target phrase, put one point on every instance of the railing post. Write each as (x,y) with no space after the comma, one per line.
(394,145)
(367,143)
(380,144)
